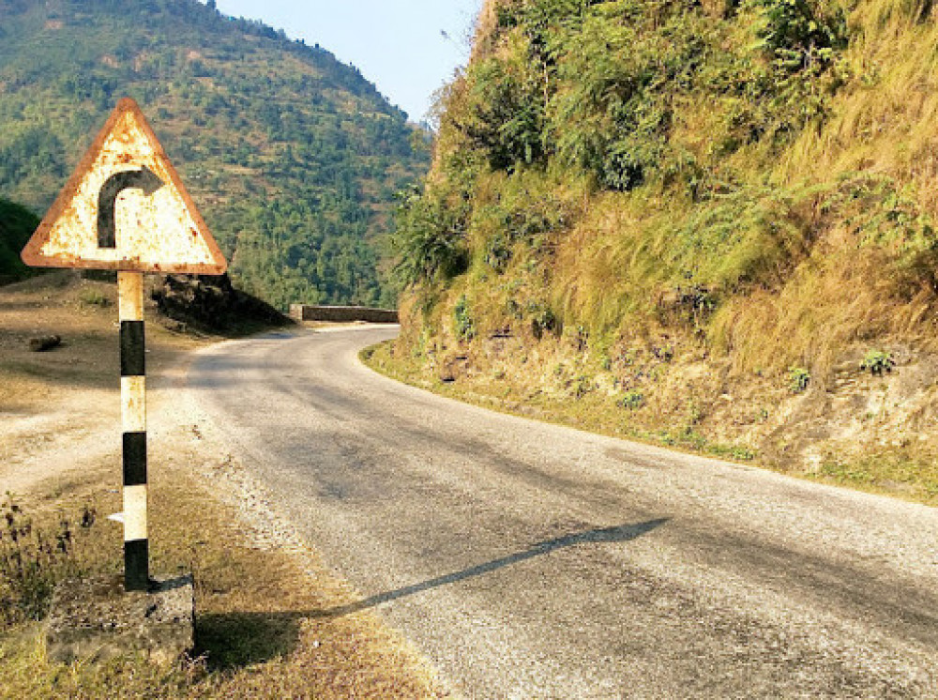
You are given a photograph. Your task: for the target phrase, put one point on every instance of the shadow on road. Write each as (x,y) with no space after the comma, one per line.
(621,533)
(241,639)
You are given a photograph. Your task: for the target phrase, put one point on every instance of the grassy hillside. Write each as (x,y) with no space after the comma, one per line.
(293,157)
(716,218)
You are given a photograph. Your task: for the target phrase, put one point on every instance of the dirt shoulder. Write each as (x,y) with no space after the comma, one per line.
(263,596)
(60,409)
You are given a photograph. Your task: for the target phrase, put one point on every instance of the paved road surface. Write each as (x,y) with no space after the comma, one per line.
(529,560)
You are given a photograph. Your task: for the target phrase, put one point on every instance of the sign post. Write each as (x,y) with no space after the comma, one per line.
(134,422)
(126,209)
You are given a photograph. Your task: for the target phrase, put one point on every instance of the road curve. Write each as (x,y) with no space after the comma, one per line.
(529,560)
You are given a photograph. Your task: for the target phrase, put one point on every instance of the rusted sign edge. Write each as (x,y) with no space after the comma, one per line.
(32,253)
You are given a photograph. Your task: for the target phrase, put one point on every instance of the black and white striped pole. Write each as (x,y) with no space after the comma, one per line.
(134,423)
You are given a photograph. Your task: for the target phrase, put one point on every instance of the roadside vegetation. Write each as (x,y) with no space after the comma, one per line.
(902,470)
(715,217)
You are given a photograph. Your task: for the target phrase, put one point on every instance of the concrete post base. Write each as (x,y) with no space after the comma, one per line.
(95,619)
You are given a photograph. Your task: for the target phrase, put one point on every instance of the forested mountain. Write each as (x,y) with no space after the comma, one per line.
(715,219)
(292,157)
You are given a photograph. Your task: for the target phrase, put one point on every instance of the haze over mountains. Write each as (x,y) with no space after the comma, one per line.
(293,157)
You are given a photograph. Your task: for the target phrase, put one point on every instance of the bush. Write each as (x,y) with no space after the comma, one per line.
(465,326)
(800,34)
(93,297)
(582,385)
(16,226)
(613,119)
(632,400)
(878,362)
(506,118)
(543,320)
(430,238)
(803,40)
(798,379)
(497,253)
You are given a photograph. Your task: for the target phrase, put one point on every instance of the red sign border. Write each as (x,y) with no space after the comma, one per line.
(32,253)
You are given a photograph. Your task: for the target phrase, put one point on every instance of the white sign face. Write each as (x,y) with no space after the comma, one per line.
(125,208)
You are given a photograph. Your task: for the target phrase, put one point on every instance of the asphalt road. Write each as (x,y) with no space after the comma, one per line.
(528,560)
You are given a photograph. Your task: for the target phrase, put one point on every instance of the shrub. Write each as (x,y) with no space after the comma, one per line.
(611,118)
(800,34)
(798,379)
(543,320)
(582,385)
(465,325)
(430,238)
(497,253)
(878,362)
(93,297)
(803,40)
(632,400)
(507,114)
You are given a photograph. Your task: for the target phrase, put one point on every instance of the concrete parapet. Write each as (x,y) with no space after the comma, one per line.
(95,619)
(341,314)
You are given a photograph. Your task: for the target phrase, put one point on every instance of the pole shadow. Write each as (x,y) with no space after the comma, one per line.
(241,639)
(618,534)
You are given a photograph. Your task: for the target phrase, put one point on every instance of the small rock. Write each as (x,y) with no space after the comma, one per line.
(173,325)
(45,342)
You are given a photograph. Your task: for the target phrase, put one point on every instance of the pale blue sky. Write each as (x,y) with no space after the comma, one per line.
(397,44)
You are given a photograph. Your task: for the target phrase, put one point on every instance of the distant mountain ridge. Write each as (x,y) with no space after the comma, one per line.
(292,156)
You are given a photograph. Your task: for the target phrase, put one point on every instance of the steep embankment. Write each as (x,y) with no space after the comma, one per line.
(292,156)
(709,224)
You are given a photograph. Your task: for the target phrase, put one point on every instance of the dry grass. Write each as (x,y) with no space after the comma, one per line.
(774,243)
(264,627)
(731,317)
(812,319)
(607,267)
(728,314)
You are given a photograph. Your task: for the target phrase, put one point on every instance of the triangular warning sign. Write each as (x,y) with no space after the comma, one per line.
(125,208)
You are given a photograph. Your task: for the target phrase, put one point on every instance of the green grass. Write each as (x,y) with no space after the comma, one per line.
(750,180)
(914,477)
(696,211)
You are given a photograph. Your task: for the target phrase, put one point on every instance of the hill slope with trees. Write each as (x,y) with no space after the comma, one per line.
(17,224)
(706,223)
(293,157)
